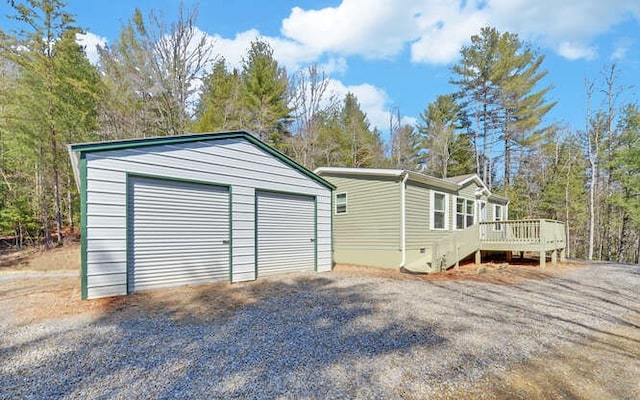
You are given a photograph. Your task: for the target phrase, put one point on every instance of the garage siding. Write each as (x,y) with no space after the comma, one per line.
(235,162)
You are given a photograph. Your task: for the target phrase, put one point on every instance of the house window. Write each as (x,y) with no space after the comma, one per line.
(464,213)
(497,216)
(439,211)
(341,203)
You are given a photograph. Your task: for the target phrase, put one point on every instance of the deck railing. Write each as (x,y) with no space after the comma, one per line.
(454,247)
(543,231)
(515,235)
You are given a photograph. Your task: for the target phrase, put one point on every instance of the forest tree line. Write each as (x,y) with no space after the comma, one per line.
(165,78)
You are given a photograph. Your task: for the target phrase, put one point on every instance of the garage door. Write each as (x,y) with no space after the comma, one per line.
(178,233)
(286,233)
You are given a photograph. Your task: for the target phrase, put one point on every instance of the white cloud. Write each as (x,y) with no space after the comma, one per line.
(622,48)
(575,51)
(444,33)
(90,41)
(334,66)
(234,49)
(373,101)
(436,29)
(372,29)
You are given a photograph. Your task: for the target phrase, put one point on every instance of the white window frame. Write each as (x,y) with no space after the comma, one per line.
(433,210)
(465,214)
(345,204)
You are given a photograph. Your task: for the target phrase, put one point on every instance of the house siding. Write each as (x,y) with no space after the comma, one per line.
(369,232)
(234,162)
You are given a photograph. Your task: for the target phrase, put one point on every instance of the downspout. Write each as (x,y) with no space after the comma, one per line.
(403,218)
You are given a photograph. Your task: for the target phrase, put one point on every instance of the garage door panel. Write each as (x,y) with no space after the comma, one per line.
(286,233)
(179,233)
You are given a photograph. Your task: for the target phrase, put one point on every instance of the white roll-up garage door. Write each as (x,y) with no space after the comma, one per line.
(286,233)
(178,233)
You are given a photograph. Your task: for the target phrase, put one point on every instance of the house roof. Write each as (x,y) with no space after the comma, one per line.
(453,183)
(385,172)
(76,150)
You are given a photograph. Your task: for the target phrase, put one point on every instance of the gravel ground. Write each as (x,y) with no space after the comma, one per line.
(325,336)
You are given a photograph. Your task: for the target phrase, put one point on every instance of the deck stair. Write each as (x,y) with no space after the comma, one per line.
(540,235)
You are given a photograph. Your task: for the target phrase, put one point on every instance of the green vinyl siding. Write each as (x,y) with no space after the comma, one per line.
(419,214)
(372,220)
(469,191)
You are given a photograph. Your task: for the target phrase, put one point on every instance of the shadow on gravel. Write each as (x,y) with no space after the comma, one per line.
(289,338)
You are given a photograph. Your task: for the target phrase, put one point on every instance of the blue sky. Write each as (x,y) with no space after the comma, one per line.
(398,53)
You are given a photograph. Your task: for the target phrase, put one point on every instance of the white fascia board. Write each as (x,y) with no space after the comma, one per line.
(359,171)
(475,178)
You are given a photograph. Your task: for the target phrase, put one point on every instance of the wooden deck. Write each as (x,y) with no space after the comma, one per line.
(539,235)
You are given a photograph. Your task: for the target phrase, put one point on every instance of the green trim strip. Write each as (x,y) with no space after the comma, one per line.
(83,227)
(165,140)
(128,189)
(332,245)
(315,233)
(230,234)
(255,234)
(176,179)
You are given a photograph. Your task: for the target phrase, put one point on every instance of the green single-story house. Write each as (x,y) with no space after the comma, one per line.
(396,218)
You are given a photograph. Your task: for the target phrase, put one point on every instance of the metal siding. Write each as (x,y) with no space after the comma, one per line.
(179,233)
(285,233)
(233,162)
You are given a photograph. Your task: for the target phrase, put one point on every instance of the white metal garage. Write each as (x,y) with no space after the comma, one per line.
(179,233)
(189,209)
(286,233)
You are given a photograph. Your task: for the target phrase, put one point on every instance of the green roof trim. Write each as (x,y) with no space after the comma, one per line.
(199,137)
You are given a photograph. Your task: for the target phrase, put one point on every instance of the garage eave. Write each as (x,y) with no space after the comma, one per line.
(199,137)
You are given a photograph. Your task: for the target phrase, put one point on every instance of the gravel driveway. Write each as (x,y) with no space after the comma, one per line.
(325,336)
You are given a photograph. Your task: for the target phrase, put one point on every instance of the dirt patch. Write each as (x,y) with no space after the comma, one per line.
(65,257)
(496,273)
(33,300)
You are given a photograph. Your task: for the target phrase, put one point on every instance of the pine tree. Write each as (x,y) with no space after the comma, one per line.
(220,106)
(56,92)
(265,95)
(439,122)
(363,146)
(498,78)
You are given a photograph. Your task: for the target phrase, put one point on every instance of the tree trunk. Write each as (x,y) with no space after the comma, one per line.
(44,214)
(566,211)
(507,163)
(621,243)
(56,183)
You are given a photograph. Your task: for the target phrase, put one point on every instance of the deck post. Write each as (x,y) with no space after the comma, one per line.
(543,244)
(509,255)
(554,257)
(563,256)
(478,257)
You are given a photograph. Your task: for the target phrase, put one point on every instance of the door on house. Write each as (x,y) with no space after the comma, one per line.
(482,217)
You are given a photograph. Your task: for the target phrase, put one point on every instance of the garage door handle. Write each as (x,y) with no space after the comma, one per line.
(313,240)
(225,242)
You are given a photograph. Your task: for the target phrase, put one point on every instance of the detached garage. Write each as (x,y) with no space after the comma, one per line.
(169,211)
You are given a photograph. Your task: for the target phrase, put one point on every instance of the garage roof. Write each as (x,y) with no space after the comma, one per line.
(75,150)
